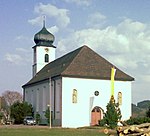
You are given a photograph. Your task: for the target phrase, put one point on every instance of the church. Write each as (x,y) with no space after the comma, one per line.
(76,87)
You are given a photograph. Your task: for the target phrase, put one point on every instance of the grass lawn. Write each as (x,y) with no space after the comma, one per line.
(45,131)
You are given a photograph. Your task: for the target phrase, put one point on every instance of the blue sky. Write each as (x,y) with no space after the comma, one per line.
(119,30)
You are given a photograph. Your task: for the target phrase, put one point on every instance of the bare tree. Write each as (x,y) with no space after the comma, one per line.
(11,97)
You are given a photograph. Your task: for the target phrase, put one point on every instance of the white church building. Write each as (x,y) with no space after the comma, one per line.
(77,86)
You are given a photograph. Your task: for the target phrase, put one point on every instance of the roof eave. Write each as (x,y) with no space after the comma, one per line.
(38,82)
(33,83)
(48,45)
(96,77)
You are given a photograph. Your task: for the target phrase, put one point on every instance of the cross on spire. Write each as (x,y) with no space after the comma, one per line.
(44,20)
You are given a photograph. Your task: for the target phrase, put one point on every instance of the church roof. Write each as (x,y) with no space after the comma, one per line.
(82,63)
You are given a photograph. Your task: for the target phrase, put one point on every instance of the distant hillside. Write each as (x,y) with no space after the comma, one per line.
(140,109)
(144,104)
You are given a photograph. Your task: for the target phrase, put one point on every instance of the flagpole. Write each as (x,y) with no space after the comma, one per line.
(50,124)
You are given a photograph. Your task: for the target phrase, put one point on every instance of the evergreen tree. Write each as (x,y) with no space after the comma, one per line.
(113,114)
(47,115)
(37,117)
(20,110)
(148,112)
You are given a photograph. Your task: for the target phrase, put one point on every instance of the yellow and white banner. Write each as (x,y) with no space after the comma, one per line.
(113,71)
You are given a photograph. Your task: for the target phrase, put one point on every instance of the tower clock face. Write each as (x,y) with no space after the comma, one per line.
(46,49)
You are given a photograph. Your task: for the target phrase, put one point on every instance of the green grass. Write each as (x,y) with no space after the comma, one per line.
(36,131)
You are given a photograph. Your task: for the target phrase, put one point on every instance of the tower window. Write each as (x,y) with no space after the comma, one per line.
(34,57)
(46,58)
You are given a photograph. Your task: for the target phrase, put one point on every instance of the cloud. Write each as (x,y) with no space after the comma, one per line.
(53,29)
(36,21)
(128,26)
(21,56)
(51,11)
(145,78)
(80,2)
(13,58)
(23,50)
(126,44)
(20,37)
(96,19)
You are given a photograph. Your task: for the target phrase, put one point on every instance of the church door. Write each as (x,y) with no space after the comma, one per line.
(95,116)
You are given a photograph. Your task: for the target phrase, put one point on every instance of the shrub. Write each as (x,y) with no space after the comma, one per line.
(1,115)
(20,110)
(148,112)
(47,115)
(112,115)
(102,122)
(137,121)
(37,117)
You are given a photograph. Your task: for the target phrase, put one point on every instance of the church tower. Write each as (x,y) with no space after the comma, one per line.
(44,50)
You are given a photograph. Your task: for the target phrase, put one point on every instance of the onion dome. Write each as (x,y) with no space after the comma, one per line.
(44,38)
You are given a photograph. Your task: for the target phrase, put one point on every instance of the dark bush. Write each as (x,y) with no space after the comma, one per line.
(148,112)
(37,117)
(137,121)
(20,110)
(102,122)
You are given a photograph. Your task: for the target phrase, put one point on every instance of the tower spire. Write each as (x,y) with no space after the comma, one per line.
(44,20)
(43,39)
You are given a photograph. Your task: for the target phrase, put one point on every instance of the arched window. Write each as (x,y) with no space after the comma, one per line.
(119,98)
(74,96)
(46,58)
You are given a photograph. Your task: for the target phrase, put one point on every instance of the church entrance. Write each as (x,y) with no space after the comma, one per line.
(96,115)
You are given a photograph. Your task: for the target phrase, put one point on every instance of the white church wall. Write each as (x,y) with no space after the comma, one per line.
(38,96)
(56,102)
(79,114)
(125,89)
(58,99)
